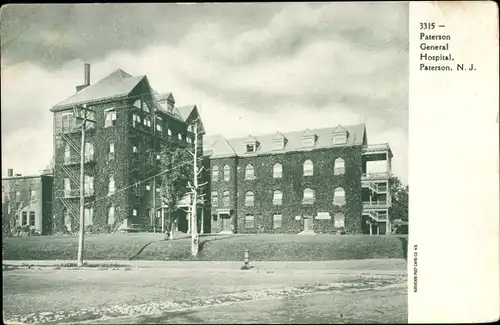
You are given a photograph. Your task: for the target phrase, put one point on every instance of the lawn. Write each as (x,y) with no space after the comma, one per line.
(147,246)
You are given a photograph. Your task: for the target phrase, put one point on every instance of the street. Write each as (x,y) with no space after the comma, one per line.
(207,292)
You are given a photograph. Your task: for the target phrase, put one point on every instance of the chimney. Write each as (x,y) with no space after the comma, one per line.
(86,77)
(10,172)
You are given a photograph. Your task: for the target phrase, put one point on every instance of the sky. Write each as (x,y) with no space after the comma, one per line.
(253,68)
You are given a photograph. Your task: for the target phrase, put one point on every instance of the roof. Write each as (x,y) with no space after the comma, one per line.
(117,84)
(185,111)
(218,146)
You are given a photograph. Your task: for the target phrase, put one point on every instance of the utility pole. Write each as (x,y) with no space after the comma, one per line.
(81,114)
(154,169)
(194,190)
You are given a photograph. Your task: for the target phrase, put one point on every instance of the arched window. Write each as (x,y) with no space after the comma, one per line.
(339,196)
(249,198)
(339,166)
(227,172)
(111,215)
(277,197)
(308,196)
(277,170)
(249,172)
(215,173)
(308,168)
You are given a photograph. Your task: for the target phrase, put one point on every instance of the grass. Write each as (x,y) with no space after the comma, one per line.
(146,246)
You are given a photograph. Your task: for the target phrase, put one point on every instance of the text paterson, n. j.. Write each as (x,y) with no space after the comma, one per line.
(427,37)
(426,67)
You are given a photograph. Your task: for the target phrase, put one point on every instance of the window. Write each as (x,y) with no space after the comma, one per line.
(340,138)
(250,147)
(148,187)
(277,221)
(215,217)
(89,185)
(158,126)
(308,141)
(215,173)
(179,136)
(339,196)
(111,215)
(67,219)
(68,122)
(32,218)
(215,199)
(226,198)
(339,220)
(134,149)
(249,198)
(278,144)
(67,153)
(111,185)
(109,118)
(249,172)
(158,190)
(136,118)
(32,194)
(277,170)
(308,196)
(188,139)
(137,103)
(308,168)
(24,220)
(277,197)
(89,216)
(67,187)
(169,132)
(227,171)
(111,151)
(339,166)
(147,121)
(134,212)
(89,152)
(249,222)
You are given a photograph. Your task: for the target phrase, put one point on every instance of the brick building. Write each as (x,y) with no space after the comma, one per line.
(132,123)
(27,200)
(312,181)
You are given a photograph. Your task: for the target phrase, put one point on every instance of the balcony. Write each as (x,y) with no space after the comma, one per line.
(376,204)
(382,188)
(377,148)
(376,176)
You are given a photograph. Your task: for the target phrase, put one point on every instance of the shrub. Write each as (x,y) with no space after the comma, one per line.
(16,231)
(25,228)
(61,230)
(106,229)
(33,232)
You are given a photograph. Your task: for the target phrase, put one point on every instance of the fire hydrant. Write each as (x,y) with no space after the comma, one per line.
(246,265)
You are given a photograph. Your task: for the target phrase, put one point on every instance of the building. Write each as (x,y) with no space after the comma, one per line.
(27,200)
(312,181)
(131,124)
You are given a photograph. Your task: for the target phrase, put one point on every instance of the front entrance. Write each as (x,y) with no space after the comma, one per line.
(308,224)
(226,222)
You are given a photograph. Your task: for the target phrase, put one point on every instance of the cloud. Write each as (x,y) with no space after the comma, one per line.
(293,67)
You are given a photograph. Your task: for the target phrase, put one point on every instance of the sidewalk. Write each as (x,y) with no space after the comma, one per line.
(379,266)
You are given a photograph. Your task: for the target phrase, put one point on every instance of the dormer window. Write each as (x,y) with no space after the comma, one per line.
(340,135)
(279,142)
(251,144)
(308,139)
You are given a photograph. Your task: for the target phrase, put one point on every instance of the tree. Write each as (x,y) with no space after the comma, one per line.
(400,195)
(177,170)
